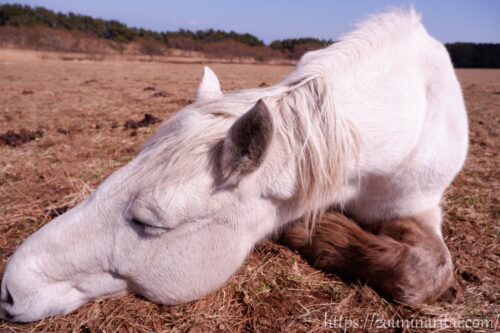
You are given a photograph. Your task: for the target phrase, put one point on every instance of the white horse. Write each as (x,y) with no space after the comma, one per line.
(374,124)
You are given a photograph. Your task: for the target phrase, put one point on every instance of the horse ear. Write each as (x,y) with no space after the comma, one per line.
(247,142)
(209,87)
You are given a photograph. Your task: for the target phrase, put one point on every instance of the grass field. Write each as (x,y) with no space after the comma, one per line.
(82,106)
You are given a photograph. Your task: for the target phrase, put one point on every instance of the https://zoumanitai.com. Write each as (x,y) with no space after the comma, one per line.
(373,321)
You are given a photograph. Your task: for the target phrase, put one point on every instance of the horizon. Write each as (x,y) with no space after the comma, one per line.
(296,20)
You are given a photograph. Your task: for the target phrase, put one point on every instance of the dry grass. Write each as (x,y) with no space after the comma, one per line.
(82,107)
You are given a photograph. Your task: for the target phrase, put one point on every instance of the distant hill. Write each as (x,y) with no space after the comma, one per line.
(30,27)
(41,28)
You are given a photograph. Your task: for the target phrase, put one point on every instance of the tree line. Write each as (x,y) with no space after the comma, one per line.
(470,55)
(26,16)
(211,40)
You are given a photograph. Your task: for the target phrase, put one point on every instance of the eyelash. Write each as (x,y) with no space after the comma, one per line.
(147,229)
(138,222)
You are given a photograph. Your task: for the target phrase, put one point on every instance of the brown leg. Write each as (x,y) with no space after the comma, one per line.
(405,260)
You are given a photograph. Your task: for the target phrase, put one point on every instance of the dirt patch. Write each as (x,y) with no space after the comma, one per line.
(470,277)
(63,130)
(89,81)
(148,120)
(161,94)
(15,139)
(183,101)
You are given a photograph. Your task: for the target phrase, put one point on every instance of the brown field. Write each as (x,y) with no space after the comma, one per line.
(81,107)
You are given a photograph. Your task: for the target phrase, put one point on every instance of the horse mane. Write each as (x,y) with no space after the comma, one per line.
(323,142)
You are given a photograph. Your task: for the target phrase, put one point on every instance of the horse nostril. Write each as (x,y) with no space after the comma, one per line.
(9,300)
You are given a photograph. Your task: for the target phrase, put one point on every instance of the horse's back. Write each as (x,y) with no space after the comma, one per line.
(413,128)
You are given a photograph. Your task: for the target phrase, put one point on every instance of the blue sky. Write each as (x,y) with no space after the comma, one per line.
(447,20)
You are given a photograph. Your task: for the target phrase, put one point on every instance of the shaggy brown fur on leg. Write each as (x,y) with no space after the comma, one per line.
(405,260)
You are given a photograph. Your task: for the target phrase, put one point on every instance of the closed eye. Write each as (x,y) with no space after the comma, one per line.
(149,229)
